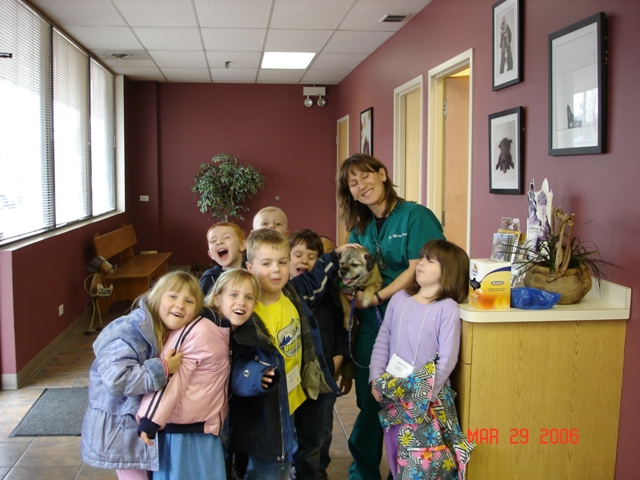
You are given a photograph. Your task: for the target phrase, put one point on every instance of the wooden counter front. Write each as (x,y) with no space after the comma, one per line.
(542,397)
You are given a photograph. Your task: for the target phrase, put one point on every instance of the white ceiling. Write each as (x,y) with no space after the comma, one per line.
(190,40)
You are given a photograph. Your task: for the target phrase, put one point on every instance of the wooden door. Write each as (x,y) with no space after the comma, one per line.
(412,147)
(455,159)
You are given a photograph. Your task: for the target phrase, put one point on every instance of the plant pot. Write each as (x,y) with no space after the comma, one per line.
(573,285)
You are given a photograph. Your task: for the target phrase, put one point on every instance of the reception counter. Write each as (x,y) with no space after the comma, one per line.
(539,390)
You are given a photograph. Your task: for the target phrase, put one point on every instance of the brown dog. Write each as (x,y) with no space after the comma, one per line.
(358,271)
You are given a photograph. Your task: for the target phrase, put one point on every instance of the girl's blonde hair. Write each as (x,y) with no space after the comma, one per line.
(454,268)
(231,278)
(173,281)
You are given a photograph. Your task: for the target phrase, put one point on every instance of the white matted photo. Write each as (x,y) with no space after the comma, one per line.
(577,88)
(507,43)
(506,166)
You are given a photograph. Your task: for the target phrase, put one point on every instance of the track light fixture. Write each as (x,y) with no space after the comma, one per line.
(320,92)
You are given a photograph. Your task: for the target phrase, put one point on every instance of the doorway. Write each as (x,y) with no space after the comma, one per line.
(449,154)
(407,140)
(342,142)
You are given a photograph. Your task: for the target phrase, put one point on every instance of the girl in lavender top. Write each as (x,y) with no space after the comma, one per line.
(421,322)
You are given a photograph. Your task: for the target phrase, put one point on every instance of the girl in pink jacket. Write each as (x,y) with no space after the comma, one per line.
(189,412)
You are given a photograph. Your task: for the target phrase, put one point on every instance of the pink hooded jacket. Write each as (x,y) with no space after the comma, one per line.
(197,392)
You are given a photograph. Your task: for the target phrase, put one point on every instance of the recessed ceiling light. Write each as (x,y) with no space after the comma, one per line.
(287,60)
(120,56)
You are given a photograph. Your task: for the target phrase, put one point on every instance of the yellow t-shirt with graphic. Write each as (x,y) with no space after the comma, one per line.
(283,324)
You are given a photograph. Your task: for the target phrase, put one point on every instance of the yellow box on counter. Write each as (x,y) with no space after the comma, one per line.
(489,284)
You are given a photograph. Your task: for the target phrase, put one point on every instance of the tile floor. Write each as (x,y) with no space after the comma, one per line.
(58,458)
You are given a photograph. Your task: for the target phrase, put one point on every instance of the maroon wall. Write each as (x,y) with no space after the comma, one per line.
(600,189)
(36,279)
(267,126)
(171,128)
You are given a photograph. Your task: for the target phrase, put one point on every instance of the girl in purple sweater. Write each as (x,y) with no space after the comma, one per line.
(415,352)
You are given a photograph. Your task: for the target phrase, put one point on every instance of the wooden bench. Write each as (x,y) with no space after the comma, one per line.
(134,274)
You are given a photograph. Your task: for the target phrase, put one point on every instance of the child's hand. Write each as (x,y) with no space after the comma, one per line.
(267,378)
(376,394)
(337,362)
(174,360)
(145,438)
(345,385)
(342,248)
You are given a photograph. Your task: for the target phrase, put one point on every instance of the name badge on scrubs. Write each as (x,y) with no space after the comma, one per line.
(398,367)
(293,379)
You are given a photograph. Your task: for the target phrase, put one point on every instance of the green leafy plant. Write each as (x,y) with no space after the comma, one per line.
(223,185)
(561,250)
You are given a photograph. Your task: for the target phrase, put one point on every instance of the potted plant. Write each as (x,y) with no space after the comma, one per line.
(224,185)
(563,263)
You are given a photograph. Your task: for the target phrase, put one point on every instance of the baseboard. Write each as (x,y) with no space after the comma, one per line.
(13,381)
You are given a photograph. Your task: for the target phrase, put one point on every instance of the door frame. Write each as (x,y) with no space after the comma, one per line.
(399,109)
(436,78)
(339,161)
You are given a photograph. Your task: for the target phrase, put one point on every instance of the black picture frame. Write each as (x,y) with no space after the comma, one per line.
(507,43)
(506,152)
(366,131)
(578,88)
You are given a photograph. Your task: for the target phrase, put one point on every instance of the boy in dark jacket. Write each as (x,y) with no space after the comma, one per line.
(316,419)
(281,341)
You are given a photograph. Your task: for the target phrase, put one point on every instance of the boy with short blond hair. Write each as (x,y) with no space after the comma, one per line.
(281,341)
(227,244)
(273,218)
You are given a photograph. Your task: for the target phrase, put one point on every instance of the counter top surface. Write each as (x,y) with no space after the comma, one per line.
(606,301)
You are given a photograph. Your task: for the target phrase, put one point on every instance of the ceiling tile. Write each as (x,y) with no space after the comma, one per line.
(179,58)
(115,64)
(138,73)
(201,35)
(241,75)
(366,15)
(105,38)
(196,75)
(280,76)
(169,38)
(356,42)
(233,13)
(309,14)
(233,39)
(296,40)
(157,13)
(239,60)
(80,13)
(324,76)
(338,61)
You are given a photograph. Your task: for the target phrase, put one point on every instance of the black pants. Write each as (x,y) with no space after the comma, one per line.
(309,421)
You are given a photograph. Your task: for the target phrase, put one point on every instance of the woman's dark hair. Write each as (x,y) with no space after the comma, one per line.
(454,265)
(355,214)
(310,239)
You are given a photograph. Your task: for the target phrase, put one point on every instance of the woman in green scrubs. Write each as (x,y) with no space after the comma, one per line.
(393,230)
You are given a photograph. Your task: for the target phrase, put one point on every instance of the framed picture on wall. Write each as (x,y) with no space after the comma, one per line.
(507,43)
(578,88)
(366,131)
(506,162)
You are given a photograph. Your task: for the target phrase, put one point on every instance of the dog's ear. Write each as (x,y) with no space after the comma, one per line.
(371,261)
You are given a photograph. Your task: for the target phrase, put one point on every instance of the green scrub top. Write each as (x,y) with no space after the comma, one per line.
(407,228)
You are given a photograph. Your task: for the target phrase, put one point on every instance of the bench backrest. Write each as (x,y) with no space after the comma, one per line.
(119,242)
